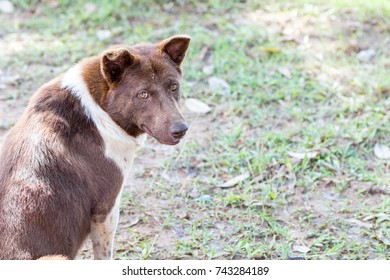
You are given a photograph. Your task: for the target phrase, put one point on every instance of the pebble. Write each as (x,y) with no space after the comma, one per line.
(6,7)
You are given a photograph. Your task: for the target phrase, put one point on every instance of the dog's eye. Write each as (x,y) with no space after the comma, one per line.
(143,95)
(174,87)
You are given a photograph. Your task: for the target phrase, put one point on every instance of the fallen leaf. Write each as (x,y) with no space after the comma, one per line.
(296,258)
(369,217)
(134,221)
(380,190)
(361,186)
(235,180)
(219,85)
(197,106)
(290,183)
(183,214)
(380,217)
(257,179)
(309,155)
(270,50)
(381,151)
(301,248)
(384,239)
(205,51)
(359,223)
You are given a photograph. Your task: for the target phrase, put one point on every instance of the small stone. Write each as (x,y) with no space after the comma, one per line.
(6,7)
(381,151)
(208,69)
(285,72)
(219,85)
(90,7)
(366,55)
(103,34)
(204,198)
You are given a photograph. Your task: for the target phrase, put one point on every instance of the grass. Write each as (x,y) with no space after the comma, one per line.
(288,94)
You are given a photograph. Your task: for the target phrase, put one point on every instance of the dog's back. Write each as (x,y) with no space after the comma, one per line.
(48,163)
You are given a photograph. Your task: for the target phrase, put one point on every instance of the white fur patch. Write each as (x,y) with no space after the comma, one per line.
(119,146)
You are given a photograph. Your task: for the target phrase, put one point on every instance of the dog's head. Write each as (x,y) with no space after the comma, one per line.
(144,88)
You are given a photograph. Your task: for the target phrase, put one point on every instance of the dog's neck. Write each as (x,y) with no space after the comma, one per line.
(79,80)
(93,77)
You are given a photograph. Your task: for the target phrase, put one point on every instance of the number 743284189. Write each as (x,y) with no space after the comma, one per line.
(236,270)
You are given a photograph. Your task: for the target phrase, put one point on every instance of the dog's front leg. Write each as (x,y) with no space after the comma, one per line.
(102,234)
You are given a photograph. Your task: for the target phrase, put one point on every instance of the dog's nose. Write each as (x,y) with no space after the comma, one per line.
(178,130)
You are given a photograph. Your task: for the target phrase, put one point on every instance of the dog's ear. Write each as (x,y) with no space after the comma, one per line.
(114,63)
(176,47)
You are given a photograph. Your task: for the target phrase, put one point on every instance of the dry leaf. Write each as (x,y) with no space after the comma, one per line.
(270,50)
(257,179)
(235,180)
(309,155)
(380,190)
(204,53)
(380,217)
(301,248)
(290,183)
(361,186)
(196,106)
(381,151)
(127,224)
(359,223)
(384,239)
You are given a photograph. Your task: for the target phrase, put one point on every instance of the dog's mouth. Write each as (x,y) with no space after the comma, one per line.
(171,141)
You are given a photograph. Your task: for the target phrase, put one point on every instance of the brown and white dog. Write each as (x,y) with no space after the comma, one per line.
(62,166)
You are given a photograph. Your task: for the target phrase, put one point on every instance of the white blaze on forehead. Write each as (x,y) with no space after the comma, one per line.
(119,146)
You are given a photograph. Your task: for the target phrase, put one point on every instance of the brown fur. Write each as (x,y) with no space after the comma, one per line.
(55,178)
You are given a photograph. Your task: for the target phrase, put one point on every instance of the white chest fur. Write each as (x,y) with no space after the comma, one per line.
(119,146)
